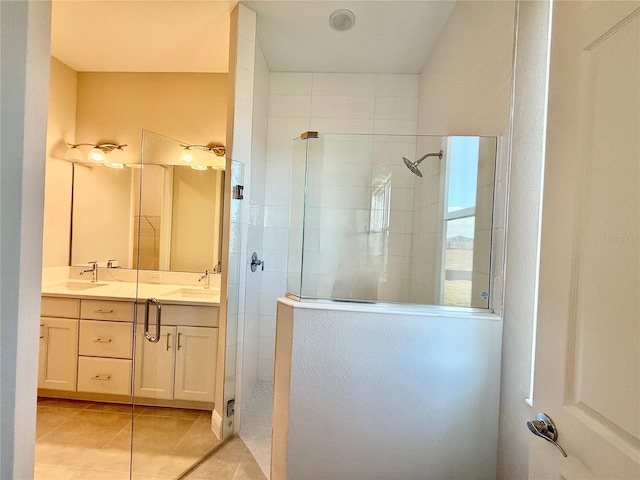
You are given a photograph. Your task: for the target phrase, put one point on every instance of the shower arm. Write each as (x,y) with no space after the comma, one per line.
(439,155)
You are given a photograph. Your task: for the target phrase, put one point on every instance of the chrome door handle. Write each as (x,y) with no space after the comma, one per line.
(147,335)
(544,427)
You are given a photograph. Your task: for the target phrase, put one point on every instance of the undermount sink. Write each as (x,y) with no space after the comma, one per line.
(77,285)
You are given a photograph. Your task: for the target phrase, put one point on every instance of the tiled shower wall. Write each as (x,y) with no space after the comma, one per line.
(327,103)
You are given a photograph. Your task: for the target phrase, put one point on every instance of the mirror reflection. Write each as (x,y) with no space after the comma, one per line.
(175,226)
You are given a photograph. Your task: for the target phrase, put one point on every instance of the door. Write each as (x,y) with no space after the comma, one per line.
(154,366)
(587,368)
(58,356)
(196,356)
(176,246)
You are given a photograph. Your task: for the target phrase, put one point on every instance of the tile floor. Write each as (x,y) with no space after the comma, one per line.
(89,440)
(255,428)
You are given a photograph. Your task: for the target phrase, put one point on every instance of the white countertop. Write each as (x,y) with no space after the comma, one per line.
(109,290)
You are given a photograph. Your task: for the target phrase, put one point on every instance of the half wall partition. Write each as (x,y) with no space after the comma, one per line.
(392,218)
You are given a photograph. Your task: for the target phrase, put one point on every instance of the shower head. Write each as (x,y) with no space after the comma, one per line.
(413,166)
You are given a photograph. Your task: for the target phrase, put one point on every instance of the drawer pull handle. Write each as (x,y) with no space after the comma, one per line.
(101,377)
(168,345)
(179,344)
(104,311)
(102,340)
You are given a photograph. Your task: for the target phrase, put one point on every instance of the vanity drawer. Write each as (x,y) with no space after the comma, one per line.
(104,375)
(183,315)
(105,339)
(60,307)
(106,310)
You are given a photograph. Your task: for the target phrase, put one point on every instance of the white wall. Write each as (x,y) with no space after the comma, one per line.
(327,103)
(379,393)
(239,148)
(521,274)
(472,95)
(25,36)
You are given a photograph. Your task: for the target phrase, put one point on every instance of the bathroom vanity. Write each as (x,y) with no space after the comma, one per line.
(92,343)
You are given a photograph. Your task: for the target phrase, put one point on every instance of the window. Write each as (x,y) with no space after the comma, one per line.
(459,220)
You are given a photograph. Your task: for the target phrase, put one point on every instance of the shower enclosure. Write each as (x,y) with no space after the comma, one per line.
(392,218)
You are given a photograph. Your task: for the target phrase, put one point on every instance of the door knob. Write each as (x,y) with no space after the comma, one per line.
(544,427)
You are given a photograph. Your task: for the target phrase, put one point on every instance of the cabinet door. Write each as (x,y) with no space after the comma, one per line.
(154,364)
(58,359)
(196,351)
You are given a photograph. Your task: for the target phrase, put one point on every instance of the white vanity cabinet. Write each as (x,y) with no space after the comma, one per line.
(182,364)
(58,357)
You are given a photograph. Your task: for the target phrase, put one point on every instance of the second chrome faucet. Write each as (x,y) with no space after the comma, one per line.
(93,270)
(205,277)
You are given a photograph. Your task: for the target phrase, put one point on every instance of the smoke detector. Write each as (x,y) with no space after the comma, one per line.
(342,20)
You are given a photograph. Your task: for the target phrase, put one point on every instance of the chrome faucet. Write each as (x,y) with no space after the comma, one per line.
(205,277)
(93,270)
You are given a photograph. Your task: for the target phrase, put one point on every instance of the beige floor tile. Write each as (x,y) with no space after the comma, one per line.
(87,428)
(113,408)
(51,472)
(248,469)
(198,441)
(50,418)
(93,474)
(223,464)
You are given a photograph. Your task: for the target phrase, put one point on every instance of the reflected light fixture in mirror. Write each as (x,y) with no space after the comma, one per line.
(98,154)
(190,158)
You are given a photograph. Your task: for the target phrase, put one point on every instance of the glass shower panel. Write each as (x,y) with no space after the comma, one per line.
(175,351)
(378,214)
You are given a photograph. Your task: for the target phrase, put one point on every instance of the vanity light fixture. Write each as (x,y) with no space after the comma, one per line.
(188,157)
(98,153)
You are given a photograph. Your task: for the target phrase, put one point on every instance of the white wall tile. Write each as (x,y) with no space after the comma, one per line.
(275,260)
(276,238)
(244,84)
(289,105)
(246,52)
(267,326)
(243,115)
(397,85)
(275,195)
(267,304)
(274,282)
(344,84)
(341,125)
(246,22)
(287,127)
(342,106)
(396,108)
(290,83)
(395,127)
(276,216)
(265,370)
(267,348)
(278,173)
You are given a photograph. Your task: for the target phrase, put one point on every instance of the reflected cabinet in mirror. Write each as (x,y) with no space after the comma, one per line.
(163,213)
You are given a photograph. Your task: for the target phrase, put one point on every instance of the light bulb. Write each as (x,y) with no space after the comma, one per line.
(114,165)
(199,167)
(186,156)
(96,155)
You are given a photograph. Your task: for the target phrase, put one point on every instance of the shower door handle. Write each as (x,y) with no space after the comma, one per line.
(152,338)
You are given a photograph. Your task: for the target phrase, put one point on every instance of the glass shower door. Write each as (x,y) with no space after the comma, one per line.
(176,232)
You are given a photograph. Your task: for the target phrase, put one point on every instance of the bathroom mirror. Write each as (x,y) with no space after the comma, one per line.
(156,214)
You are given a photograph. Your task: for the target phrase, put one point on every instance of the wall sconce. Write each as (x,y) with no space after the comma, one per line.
(106,154)
(189,157)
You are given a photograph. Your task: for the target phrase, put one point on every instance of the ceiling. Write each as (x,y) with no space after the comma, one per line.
(141,36)
(193,36)
(387,37)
